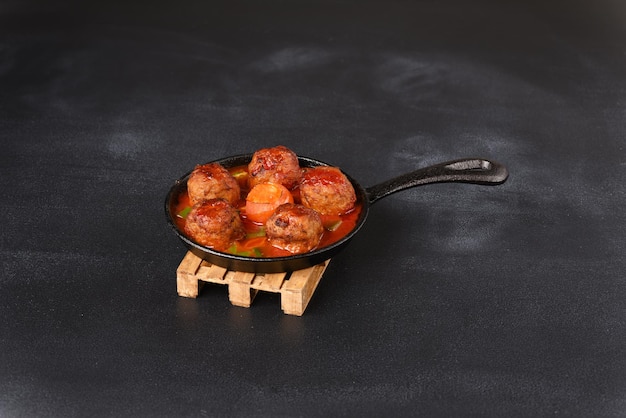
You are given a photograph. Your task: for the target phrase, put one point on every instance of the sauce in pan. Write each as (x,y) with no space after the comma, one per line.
(255,243)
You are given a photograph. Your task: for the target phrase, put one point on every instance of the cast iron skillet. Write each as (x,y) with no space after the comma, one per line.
(470,170)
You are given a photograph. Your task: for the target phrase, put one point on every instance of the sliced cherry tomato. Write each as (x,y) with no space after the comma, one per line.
(263,199)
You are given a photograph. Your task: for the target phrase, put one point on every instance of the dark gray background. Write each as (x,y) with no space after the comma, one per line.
(452,300)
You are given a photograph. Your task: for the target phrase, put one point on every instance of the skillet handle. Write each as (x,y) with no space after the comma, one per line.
(467,170)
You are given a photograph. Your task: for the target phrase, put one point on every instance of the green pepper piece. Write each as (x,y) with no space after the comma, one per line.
(332,225)
(255,234)
(183,213)
(255,252)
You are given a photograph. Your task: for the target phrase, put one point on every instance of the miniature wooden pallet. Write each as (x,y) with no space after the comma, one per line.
(296,288)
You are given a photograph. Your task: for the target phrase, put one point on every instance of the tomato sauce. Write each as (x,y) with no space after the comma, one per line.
(255,244)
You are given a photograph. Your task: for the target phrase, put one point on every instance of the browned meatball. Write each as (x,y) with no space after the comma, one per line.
(214,223)
(327,190)
(274,165)
(294,228)
(210,181)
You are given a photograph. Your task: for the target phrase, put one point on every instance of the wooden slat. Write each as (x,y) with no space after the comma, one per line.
(298,290)
(239,291)
(186,281)
(190,264)
(211,273)
(269,282)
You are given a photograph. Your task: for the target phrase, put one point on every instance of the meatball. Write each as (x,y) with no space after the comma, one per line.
(211,181)
(274,165)
(214,223)
(294,228)
(327,190)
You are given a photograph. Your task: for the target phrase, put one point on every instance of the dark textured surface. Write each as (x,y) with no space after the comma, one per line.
(452,300)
